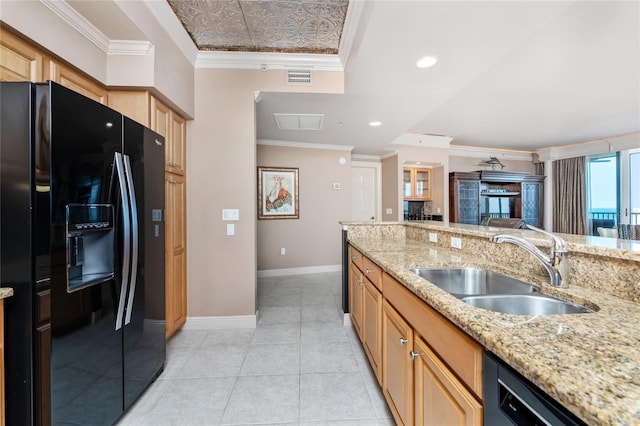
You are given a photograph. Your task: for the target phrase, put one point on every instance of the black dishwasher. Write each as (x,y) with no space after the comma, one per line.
(510,399)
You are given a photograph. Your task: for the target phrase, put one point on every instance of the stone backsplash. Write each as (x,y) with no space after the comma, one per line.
(593,266)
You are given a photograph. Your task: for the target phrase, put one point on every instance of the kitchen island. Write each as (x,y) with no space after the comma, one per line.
(589,363)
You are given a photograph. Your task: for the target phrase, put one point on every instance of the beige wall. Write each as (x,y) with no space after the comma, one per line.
(390,192)
(438,196)
(470,164)
(221,174)
(314,238)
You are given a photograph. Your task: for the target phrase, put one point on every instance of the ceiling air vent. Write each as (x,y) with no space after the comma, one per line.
(299,76)
(299,121)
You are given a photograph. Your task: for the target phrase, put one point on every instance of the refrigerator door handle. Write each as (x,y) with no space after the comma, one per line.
(134,237)
(126,238)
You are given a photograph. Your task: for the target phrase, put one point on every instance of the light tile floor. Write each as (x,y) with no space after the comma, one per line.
(300,366)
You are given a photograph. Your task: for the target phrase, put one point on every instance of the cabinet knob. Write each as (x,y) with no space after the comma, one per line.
(413,355)
(403,341)
(366,271)
(172,181)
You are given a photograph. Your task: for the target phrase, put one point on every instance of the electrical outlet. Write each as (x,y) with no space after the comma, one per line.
(456,243)
(283,251)
(433,237)
(231,229)
(389,211)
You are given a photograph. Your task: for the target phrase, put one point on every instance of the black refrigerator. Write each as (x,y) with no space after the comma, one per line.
(82,245)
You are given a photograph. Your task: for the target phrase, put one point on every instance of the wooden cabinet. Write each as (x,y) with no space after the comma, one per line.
(72,79)
(365,306)
(416,184)
(372,326)
(475,196)
(20,60)
(148,110)
(175,253)
(356,289)
(397,365)
(440,398)
(431,370)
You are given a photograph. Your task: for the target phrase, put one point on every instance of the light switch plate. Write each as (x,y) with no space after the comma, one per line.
(433,237)
(389,211)
(231,229)
(336,185)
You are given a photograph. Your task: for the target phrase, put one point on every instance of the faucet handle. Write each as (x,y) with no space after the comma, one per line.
(559,245)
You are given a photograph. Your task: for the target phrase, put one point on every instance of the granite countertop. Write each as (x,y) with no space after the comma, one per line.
(590,363)
(5,292)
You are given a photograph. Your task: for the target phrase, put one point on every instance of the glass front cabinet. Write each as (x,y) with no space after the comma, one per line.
(416,184)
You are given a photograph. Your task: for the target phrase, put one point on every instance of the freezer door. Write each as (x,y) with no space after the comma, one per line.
(86,348)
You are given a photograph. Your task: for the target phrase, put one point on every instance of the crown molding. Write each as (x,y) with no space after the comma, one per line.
(597,146)
(93,34)
(129,47)
(303,145)
(78,22)
(174,29)
(267,61)
(483,152)
(349,30)
(423,140)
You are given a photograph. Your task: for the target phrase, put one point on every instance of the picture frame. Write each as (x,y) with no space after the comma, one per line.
(278,193)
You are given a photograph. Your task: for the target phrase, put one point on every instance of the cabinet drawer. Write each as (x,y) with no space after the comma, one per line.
(372,272)
(461,353)
(356,257)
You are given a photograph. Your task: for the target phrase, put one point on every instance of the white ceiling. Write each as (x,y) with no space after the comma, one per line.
(510,74)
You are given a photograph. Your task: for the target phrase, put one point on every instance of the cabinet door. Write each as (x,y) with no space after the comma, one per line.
(372,326)
(176,147)
(532,203)
(132,103)
(407,183)
(397,366)
(160,118)
(422,183)
(467,199)
(76,81)
(355,299)
(175,253)
(19,61)
(440,398)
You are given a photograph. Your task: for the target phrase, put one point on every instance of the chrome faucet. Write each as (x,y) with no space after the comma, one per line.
(552,262)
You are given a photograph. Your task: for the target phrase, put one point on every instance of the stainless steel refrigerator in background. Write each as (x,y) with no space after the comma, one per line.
(82,245)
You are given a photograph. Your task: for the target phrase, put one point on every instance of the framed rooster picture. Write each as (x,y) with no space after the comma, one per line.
(277,193)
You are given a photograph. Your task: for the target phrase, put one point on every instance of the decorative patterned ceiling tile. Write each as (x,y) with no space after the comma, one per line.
(299,26)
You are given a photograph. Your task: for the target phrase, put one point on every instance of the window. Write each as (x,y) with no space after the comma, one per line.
(613,182)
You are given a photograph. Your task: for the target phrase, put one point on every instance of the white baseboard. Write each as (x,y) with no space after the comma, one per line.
(346,320)
(221,322)
(266,273)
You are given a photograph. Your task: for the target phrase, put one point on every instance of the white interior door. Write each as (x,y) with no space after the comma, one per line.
(365,198)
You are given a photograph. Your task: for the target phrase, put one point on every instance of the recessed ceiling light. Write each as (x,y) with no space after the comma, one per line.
(375,123)
(426,62)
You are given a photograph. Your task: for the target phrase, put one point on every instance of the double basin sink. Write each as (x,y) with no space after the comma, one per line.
(497,292)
